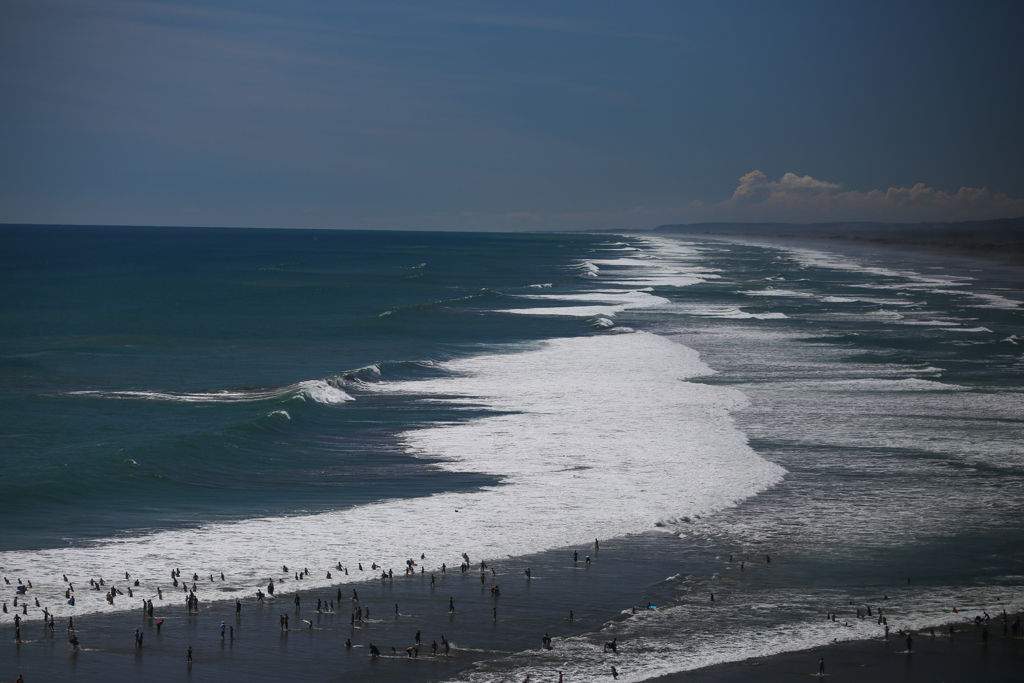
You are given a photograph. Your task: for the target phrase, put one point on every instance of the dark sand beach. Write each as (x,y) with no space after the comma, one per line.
(962,657)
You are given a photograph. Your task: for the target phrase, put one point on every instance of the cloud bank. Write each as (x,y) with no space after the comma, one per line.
(791,199)
(796,199)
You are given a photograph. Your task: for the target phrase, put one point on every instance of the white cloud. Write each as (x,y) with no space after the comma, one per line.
(791,199)
(808,200)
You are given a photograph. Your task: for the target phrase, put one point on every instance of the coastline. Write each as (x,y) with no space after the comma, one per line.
(940,658)
(1008,254)
(1011,254)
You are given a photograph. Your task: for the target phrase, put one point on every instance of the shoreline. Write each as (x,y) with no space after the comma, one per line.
(964,656)
(1010,254)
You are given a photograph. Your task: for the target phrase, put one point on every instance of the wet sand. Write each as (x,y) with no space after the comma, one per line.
(262,651)
(962,657)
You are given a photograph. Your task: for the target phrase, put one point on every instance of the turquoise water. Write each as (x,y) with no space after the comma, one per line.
(235,400)
(192,311)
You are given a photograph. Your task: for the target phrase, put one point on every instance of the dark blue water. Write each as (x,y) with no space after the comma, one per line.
(187,311)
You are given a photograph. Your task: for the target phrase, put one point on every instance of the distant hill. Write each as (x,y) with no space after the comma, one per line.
(1002,238)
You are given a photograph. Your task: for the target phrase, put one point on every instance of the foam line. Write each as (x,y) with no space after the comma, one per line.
(318,390)
(603,436)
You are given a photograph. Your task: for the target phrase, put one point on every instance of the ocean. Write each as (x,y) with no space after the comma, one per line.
(238,401)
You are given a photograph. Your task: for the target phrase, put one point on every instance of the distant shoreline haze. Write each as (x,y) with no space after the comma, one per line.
(1001,238)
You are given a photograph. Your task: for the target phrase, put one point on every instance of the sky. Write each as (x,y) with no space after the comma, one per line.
(508,116)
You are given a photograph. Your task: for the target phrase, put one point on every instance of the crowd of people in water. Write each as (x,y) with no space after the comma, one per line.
(360,613)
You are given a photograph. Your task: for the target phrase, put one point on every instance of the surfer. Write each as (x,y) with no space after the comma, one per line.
(451,605)
(821,666)
(615,674)
(188,657)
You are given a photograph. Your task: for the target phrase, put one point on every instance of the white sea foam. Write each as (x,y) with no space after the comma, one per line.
(614,301)
(778,292)
(930,283)
(663,642)
(810,258)
(868,384)
(997,301)
(715,311)
(317,390)
(601,436)
(663,262)
(867,300)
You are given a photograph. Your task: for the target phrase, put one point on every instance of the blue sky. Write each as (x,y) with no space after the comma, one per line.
(505,116)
